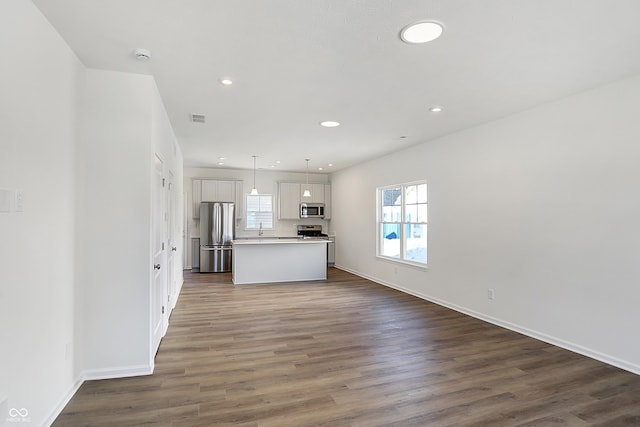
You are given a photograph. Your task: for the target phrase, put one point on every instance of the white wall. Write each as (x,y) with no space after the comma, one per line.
(114,232)
(75,265)
(123,124)
(266,182)
(541,206)
(38,117)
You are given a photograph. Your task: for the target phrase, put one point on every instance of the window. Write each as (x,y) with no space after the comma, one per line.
(260,212)
(402,222)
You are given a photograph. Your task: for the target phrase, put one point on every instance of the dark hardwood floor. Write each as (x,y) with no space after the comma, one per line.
(349,352)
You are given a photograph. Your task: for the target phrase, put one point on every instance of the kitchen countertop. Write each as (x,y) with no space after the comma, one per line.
(277,241)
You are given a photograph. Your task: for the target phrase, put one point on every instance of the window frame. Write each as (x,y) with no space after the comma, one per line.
(402,223)
(246,212)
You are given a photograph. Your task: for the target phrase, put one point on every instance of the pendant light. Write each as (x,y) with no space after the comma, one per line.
(254,190)
(307,193)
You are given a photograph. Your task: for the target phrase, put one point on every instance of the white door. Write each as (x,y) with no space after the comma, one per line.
(172,241)
(159,283)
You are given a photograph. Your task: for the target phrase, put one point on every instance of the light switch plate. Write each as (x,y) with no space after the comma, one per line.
(5,201)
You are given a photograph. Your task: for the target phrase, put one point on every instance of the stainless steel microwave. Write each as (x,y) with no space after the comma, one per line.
(311,210)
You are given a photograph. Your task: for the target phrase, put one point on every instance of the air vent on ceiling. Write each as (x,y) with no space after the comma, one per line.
(198,118)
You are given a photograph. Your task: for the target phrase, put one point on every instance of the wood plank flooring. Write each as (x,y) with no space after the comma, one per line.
(349,352)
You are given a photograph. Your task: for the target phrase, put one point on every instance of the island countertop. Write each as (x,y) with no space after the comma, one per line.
(277,241)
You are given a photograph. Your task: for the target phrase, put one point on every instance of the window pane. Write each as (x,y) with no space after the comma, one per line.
(411,213)
(391,196)
(390,242)
(410,194)
(422,213)
(259,212)
(387,213)
(422,193)
(416,243)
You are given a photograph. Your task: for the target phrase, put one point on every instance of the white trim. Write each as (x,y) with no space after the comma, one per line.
(57,410)
(95,374)
(123,372)
(567,345)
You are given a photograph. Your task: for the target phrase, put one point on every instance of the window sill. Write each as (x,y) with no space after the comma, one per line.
(416,265)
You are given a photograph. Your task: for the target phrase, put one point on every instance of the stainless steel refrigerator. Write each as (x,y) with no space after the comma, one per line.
(217,230)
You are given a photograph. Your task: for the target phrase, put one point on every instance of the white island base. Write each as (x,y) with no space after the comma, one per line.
(278,260)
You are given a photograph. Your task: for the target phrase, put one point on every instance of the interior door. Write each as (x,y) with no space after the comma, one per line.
(159,276)
(172,241)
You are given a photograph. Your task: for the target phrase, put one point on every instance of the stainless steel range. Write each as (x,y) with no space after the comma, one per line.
(311,231)
(315,232)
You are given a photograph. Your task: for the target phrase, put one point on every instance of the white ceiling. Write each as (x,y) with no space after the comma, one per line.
(295,63)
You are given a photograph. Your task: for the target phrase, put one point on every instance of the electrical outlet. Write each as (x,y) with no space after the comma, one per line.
(490,294)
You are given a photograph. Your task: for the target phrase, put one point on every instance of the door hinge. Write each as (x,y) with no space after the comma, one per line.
(163,309)
(163,246)
(162,182)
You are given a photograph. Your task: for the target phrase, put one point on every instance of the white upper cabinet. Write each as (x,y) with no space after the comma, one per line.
(212,190)
(327,201)
(317,193)
(196,196)
(218,191)
(289,197)
(239,199)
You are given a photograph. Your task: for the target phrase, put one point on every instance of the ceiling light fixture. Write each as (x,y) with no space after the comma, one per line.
(142,54)
(329,124)
(421,32)
(435,109)
(226,82)
(254,190)
(307,193)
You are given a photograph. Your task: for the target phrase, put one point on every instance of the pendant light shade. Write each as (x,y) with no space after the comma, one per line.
(307,193)
(254,190)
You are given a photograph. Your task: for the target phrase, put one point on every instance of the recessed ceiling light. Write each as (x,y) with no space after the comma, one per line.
(435,109)
(320,169)
(421,32)
(330,124)
(226,82)
(273,166)
(330,164)
(278,161)
(221,158)
(220,163)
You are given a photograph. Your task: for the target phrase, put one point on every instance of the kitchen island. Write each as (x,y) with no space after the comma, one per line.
(271,260)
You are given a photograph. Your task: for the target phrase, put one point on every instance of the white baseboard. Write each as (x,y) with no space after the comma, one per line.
(96,374)
(63,402)
(576,348)
(125,371)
